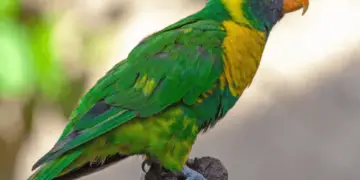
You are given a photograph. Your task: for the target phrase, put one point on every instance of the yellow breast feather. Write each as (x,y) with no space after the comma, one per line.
(243,48)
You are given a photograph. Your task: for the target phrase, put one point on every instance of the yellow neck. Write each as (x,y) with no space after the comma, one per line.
(243,48)
(235,10)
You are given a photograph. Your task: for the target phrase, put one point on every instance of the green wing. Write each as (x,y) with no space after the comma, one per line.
(173,66)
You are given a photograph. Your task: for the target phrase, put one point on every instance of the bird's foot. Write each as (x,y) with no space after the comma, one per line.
(154,167)
(191,174)
(146,162)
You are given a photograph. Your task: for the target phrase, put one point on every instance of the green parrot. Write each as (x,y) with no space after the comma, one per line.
(175,84)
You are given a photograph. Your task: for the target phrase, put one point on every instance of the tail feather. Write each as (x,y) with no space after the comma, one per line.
(53,168)
(78,138)
(91,167)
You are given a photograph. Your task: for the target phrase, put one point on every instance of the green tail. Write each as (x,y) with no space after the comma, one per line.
(53,168)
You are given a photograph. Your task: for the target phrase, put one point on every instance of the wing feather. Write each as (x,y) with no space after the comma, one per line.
(175,66)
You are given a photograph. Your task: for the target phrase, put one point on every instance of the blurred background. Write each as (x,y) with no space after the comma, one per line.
(299,120)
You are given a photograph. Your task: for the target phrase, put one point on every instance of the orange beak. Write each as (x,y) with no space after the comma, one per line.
(293,5)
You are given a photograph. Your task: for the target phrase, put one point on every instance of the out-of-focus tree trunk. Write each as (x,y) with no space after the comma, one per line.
(8,154)
(12,142)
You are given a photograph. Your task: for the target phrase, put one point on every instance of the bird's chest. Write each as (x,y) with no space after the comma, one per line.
(242,51)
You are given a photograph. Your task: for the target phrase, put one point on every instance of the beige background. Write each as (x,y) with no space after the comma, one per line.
(299,120)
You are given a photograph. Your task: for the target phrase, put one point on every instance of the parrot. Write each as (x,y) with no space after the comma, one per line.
(174,85)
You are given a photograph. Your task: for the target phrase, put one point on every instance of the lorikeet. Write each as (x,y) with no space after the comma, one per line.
(173,85)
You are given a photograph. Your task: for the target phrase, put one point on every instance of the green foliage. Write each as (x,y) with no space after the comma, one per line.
(9,8)
(15,58)
(32,73)
(27,57)
(49,75)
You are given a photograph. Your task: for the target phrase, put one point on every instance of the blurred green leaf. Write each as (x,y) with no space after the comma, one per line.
(28,60)
(9,8)
(15,59)
(49,71)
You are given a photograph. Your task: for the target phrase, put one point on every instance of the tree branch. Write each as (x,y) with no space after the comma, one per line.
(209,167)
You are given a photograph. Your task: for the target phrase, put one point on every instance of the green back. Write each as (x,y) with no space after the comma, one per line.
(174,66)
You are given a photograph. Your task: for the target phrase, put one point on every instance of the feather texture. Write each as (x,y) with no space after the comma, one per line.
(174,84)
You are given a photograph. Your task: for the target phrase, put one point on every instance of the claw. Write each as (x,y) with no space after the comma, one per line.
(144,163)
(190,161)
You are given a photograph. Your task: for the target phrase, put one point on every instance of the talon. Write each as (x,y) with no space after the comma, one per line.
(144,163)
(190,161)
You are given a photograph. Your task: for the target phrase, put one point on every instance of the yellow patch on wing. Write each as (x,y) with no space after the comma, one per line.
(243,48)
(140,82)
(186,30)
(146,84)
(222,81)
(149,87)
(206,94)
